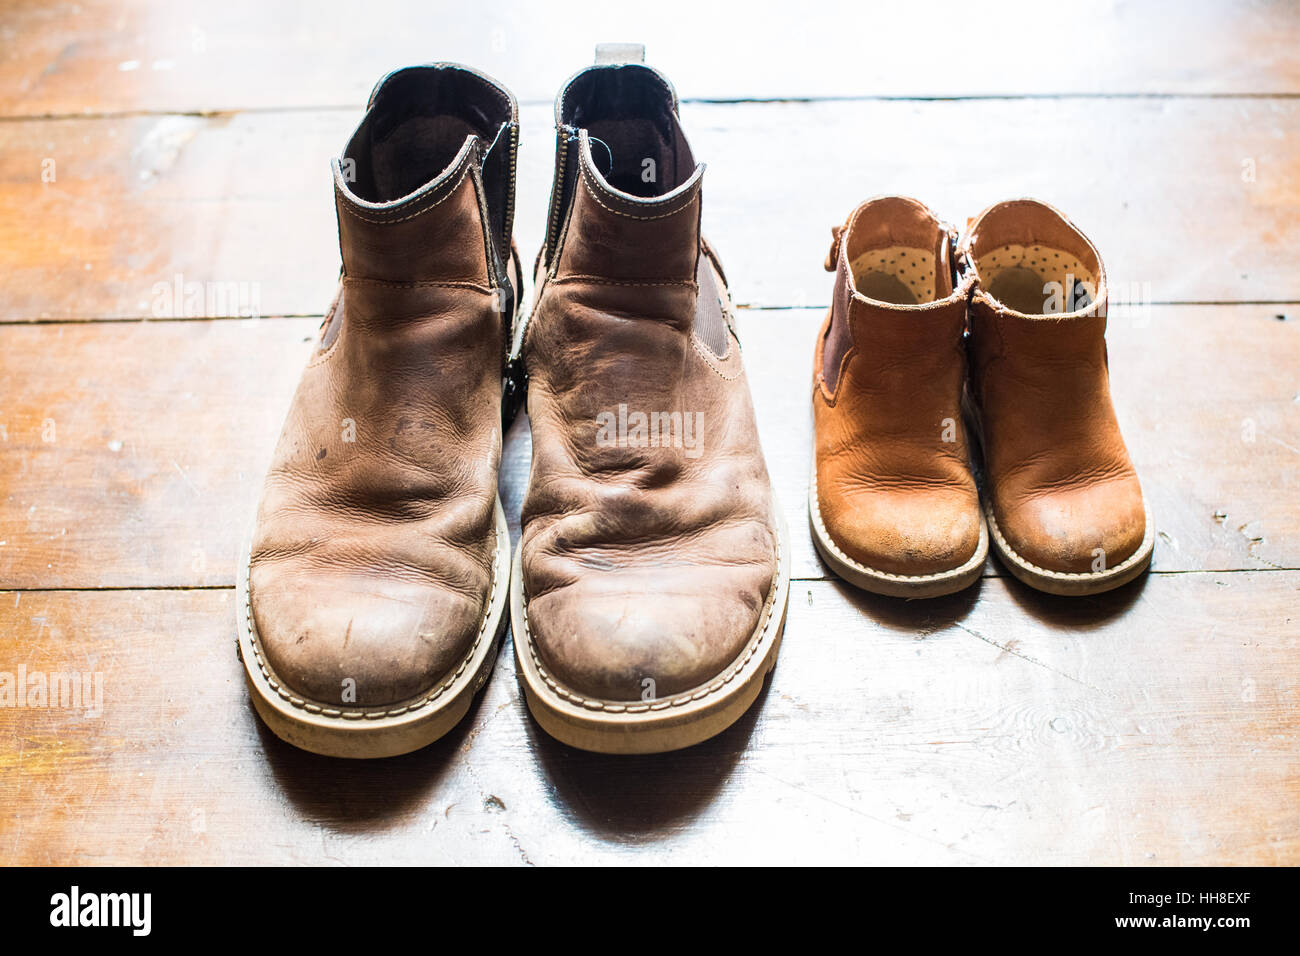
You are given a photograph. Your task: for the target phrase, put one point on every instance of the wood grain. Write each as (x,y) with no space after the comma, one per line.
(133,453)
(1156,725)
(186,55)
(161,432)
(145,145)
(242,204)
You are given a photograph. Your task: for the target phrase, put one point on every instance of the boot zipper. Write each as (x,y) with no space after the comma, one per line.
(514,389)
(560,190)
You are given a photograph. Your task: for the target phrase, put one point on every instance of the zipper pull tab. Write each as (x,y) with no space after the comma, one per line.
(514,390)
(961,266)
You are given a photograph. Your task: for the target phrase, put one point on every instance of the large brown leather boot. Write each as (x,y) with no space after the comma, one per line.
(653,569)
(372,597)
(892,502)
(1064,507)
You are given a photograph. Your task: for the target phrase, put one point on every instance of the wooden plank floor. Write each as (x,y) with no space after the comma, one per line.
(141,142)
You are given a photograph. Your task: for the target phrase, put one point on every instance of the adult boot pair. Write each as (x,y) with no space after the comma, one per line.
(999,335)
(648,592)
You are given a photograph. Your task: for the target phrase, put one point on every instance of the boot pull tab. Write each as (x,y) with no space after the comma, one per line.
(837,233)
(619,53)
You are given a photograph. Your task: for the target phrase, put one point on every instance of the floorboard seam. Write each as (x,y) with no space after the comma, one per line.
(228,111)
(794,580)
(744,307)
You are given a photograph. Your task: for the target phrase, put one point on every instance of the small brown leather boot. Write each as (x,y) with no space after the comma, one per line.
(372,596)
(892,502)
(1064,507)
(653,569)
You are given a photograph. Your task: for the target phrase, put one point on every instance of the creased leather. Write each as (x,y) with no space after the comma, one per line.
(646,569)
(894,495)
(372,554)
(1058,474)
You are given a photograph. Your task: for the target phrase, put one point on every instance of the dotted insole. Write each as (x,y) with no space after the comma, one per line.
(903,275)
(1036,280)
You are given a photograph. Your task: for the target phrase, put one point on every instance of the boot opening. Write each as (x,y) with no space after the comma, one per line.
(418,121)
(1031,260)
(629,113)
(898,253)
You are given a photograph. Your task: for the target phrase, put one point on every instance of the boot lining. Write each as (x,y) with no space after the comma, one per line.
(1036,279)
(417,126)
(901,275)
(636,139)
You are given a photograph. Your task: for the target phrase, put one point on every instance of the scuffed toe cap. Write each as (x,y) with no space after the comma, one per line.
(1076,530)
(911,532)
(646,635)
(342,639)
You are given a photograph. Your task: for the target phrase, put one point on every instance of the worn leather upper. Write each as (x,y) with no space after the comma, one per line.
(373,553)
(1062,487)
(894,483)
(646,563)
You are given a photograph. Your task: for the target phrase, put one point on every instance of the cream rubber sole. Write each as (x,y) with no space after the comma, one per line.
(883,582)
(1064,583)
(384,731)
(1073,585)
(655,726)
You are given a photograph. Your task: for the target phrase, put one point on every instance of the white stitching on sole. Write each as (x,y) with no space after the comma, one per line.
(814,500)
(429,698)
(1143,552)
(975,420)
(714,686)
